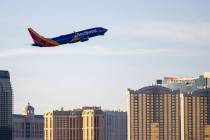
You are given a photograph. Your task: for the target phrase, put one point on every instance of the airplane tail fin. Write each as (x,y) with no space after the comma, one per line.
(40,40)
(35,36)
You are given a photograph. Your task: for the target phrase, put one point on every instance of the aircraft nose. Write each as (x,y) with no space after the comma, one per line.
(105,30)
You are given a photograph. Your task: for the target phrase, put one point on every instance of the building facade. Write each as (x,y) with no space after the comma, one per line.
(93,123)
(28,126)
(6,106)
(154,114)
(88,123)
(115,125)
(63,125)
(197,115)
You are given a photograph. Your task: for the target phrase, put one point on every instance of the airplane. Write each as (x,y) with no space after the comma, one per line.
(74,37)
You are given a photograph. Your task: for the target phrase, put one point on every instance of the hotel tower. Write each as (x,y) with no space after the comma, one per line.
(197,115)
(154,114)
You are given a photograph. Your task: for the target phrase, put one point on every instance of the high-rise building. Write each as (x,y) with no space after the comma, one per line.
(28,126)
(6,106)
(63,125)
(93,123)
(197,115)
(115,125)
(154,114)
(186,84)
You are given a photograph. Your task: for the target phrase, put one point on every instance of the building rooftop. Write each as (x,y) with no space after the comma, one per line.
(180,78)
(91,107)
(4,74)
(24,116)
(68,112)
(200,92)
(152,89)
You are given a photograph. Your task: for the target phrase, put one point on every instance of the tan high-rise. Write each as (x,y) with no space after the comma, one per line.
(93,123)
(197,115)
(63,125)
(154,114)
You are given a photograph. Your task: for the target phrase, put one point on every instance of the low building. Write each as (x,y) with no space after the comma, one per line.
(28,126)
(202,82)
(186,84)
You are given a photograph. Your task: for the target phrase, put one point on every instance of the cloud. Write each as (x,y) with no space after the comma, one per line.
(198,33)
(95,50)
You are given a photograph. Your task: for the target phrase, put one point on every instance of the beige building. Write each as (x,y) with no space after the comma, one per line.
(80,124)
(28,126)
(154,114)
(197,115)
(63,125)
(88,123)
(93,123)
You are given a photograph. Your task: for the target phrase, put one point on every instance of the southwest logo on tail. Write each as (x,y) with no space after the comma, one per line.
(80,36)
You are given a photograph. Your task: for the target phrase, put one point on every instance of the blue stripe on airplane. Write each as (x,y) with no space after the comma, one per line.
(80,36)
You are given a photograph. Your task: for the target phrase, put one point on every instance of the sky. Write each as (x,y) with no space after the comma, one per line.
(146,40)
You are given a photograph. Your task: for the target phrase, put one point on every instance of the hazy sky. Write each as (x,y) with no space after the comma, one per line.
(147,40)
